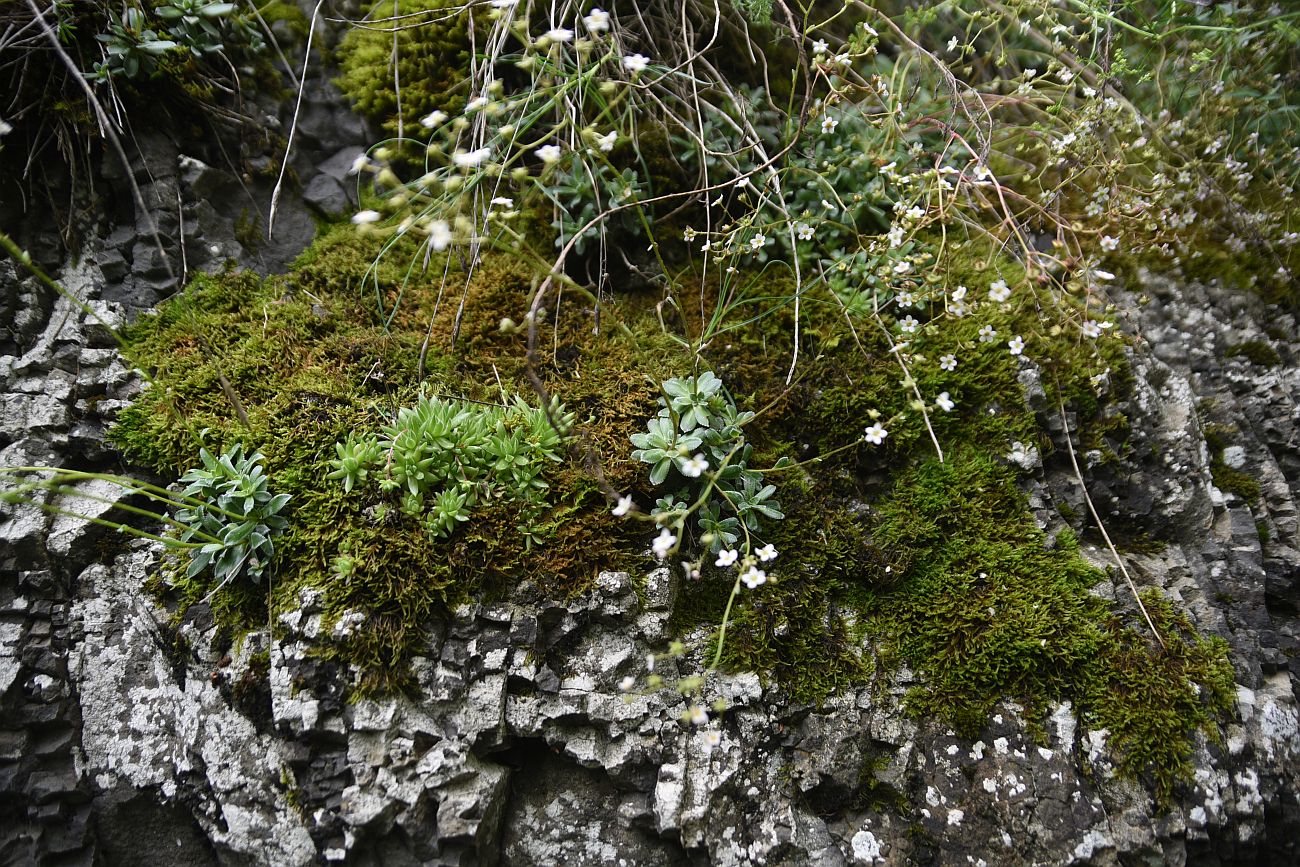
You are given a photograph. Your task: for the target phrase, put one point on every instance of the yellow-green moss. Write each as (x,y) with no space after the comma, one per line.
(324,351)
(431,42)
(985,611)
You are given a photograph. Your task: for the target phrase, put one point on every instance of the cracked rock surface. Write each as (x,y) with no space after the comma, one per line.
(124,735)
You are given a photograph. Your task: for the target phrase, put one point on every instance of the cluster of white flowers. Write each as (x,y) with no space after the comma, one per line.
(750,575)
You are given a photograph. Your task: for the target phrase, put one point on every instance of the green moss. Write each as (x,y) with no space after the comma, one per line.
(1217,438)
(985,611)
(327,350)
(432,51)
(1256,352)
(982,606)
(949,574)
(294,18)
(1154,698)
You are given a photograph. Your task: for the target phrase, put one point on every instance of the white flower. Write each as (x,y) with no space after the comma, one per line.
(1065,74)
(999,292)
(437,118)
(635,63)
(471,160)
(828,124)
(359,164)
(503,4)
(726,557)
(1091,329)
(767,553)
(1016,345)
(820,46)
(948,362)
(909,323)
(475,104)
(804,231)
(944,402)
(914,213)
(596,21)
(439,235)
(699,716)
(903,267)
(952,45)
(988,334)
(1109,244)
(663,543)
(559,34)
(843,59)
(959,293)
(753,577)
(691,570)
(712,738)
(876,434)
(895,236)
(361,218)
(649,662)
(694,467)
(548,153)
(627,683)
(756,242)
(605,143)
(503,201)
(624,506)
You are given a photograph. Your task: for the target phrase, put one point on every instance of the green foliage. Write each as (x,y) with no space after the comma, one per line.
(133,46)
(233,503)
(757,11)
(582,193)
(458,453)
(200,27)
(696,414)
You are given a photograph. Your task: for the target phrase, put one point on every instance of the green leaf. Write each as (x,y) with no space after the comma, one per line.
(660,471)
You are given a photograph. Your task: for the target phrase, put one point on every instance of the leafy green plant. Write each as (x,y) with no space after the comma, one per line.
(202,26)
(133,46)
(225,519)
(442,456)
(230,501)
(699,429)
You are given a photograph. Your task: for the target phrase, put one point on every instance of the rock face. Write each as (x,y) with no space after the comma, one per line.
(124,736)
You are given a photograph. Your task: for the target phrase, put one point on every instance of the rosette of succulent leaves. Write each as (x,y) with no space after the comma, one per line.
(230,508)
(442,457)
(728,498)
